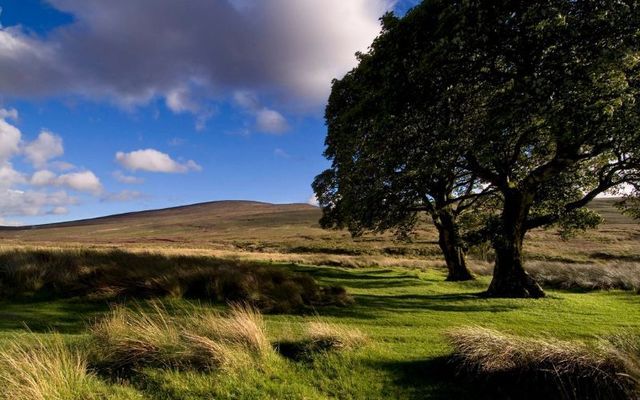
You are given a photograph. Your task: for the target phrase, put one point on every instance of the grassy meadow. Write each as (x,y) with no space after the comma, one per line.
(136,307)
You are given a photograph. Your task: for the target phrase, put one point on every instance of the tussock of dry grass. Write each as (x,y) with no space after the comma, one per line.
(540,367)
(198,339)
(322,337)
(37,370)
(326,336)
(625,347)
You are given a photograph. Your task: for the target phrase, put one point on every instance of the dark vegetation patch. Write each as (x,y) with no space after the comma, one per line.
(123,275)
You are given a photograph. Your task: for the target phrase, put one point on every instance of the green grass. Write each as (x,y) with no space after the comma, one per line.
(403,312)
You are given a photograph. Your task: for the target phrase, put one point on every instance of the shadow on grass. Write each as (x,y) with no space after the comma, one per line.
(437,302)
(65,316)
(430,379)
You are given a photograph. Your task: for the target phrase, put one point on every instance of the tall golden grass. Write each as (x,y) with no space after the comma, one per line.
(538,368)
(35,369)
(201,338)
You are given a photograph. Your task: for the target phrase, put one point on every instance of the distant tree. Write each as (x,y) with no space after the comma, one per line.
(540,100)
(391,159)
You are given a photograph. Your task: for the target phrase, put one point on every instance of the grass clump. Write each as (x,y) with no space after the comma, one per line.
(327,336)
(196,339)
(37,370)
(322,337)
(535,368)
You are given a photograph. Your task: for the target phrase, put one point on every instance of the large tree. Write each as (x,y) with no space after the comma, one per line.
(391,159)
(540,100)
(554,86)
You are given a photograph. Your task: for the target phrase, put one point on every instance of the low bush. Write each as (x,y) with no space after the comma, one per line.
(530,368)
(117,274)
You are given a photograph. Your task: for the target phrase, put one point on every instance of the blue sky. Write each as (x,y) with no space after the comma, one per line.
(114,106)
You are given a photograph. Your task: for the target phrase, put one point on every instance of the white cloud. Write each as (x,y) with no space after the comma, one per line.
(11,113)
(179,101)
(266,119)
(154,161)
(43,178)
(17,194)
(46,147)
(62,165)
(313,201)
(128,179)
(9,176)
(84,181)
(271,121)
(59,211)
(10,137)
(31,203)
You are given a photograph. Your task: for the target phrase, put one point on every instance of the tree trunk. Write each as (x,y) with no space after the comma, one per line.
(509,277)
(451,246)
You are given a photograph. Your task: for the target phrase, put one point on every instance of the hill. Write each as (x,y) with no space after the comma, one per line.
(201,223)
(254,227)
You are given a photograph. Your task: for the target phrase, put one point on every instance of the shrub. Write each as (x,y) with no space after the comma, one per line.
(536,368)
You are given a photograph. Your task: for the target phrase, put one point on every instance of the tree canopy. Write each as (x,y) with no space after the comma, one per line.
(537,101)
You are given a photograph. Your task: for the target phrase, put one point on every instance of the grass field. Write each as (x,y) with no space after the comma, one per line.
(402,306)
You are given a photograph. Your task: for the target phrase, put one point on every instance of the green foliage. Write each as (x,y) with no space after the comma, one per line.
(579,220)
(539,100)
(388,133)
(631,205)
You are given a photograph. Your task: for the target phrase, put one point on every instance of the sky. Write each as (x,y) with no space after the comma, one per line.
(110,106)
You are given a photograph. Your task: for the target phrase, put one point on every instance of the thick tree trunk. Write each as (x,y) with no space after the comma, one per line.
(451,246)
(509,277)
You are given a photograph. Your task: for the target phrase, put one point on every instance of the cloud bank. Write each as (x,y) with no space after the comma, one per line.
(42,191)
(187,51)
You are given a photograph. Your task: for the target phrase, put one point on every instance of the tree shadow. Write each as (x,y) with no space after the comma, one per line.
(434,378)
(464,302)
(64,316)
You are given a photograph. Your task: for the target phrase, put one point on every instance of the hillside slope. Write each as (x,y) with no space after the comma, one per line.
(233,226)
(197,223)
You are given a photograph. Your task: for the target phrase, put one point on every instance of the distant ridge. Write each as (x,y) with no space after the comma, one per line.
(211,206)
(232,224)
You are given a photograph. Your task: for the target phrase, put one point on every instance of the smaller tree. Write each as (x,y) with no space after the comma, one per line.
(388,142)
